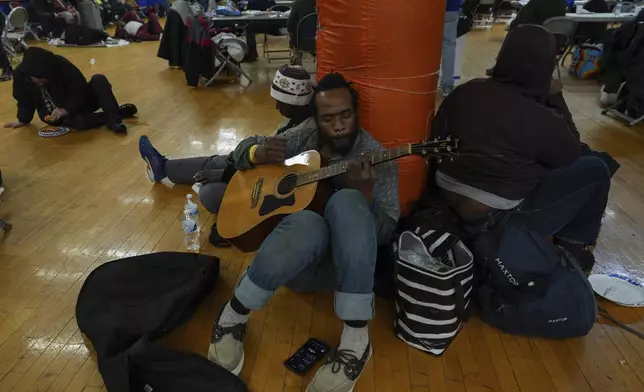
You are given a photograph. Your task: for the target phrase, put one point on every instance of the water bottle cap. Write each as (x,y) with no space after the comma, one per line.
(189,196)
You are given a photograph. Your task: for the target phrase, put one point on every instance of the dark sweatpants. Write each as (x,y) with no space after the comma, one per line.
(182,171)
(100,97)
(568,203)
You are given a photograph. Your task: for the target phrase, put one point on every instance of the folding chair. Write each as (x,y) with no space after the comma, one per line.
(305,36)
(564,31)
(267,52)
(226,61)
(15,30)
(615,110)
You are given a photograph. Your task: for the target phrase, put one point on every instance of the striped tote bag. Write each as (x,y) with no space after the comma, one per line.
(434,277)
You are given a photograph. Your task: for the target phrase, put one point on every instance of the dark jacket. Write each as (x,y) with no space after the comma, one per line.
(509,129)
(538,11)
(199,56)
(300,9)
(174,43)
(67,85)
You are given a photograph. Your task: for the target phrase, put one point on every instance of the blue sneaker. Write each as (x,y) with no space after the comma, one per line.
(155,161)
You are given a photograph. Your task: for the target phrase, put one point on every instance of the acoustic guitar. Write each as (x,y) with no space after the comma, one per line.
(256,200)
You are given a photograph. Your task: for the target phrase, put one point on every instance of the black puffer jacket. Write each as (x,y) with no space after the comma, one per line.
(67,85)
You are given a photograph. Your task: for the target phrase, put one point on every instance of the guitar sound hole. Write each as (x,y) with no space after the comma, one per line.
(287,184)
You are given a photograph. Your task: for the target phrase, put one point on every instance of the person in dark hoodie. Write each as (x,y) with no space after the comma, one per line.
(55,88)
(538,11)
(525,163)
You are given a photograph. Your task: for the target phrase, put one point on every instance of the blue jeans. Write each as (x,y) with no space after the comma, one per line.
(448,57)
(302,239)
(568,203)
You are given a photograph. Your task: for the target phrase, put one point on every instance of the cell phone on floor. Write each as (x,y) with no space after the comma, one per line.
(306,356)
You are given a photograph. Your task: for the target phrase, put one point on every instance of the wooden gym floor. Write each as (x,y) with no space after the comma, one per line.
(83,199)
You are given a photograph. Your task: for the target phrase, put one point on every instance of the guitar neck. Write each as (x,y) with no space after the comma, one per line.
(336,169)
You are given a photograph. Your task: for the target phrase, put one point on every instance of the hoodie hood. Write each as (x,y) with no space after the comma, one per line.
(527,60)
(40,63)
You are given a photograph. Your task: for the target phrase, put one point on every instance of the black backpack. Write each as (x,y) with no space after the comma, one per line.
(528,286)
(126,305)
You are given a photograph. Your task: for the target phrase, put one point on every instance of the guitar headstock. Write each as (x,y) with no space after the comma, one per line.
(436,147)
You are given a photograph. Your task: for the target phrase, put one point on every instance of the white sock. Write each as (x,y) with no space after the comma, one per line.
(231,318)
(354,339)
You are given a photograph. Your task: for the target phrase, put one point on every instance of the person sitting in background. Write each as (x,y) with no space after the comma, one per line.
(535,13)
(292,90)
(253,29)
(56,88)
(133,28)
(299,10)
(527,163)
(593,32)
(5,64)
(65,10)
(448,58)
(538,11)
(361,214)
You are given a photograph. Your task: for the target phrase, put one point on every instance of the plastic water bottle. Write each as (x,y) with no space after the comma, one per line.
(190,231)
(193,208)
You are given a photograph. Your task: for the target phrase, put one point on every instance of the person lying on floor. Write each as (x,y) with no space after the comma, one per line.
(292,90)
(361,214)
(525,163)
(133,28)
(57,89)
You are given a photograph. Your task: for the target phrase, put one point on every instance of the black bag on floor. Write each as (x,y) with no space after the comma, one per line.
(528,286)
(126,305)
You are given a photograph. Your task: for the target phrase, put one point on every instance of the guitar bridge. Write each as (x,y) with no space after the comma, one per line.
(257,190)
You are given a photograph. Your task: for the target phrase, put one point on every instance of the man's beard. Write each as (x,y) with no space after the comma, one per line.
(341,146)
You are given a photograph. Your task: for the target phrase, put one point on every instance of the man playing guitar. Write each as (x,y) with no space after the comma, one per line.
(361,214)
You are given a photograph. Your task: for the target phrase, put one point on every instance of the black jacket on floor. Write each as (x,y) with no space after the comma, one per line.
(200,54)
(174,43)
(67,85)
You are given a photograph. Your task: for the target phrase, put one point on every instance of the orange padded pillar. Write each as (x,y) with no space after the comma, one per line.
(391,51)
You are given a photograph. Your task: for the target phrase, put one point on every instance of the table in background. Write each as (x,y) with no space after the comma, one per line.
(607,17)
(249,19)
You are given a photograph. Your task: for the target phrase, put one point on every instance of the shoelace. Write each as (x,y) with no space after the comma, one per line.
(341,357)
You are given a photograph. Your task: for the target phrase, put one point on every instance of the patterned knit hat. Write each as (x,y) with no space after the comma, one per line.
(292,85)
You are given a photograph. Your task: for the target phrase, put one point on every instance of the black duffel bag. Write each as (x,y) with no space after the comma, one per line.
(126,305)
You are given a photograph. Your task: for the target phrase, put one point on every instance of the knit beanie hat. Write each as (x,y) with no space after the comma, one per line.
(292,85)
